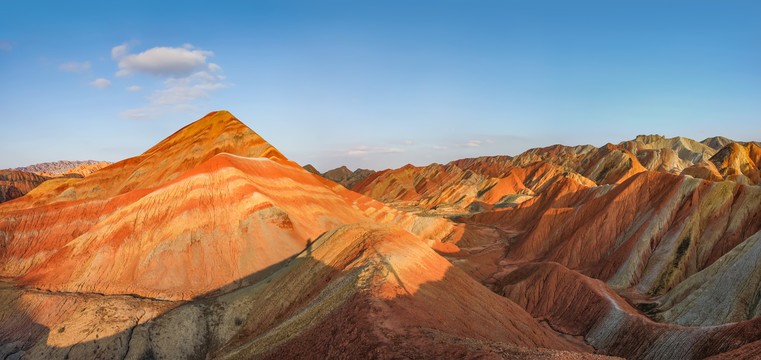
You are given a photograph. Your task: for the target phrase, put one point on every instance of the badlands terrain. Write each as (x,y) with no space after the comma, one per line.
(213,244)
(17,182)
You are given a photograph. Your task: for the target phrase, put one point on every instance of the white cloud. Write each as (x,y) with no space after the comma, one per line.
(134,88)
(118,52)
(77,67)
(408,142)
(101,83)
(187,77)
(473,143)
(439,147)
(162,61)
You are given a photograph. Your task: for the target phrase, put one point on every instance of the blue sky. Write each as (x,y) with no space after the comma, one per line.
(375,84)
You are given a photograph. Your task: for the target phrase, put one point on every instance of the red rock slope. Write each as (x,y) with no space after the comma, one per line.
(652,231)
(578,305)
(360,290)
(14,184)
(213,197)
(739,163)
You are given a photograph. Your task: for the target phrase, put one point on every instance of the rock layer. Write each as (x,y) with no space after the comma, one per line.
(190,202)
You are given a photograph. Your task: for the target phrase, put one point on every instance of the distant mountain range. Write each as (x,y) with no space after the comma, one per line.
(57,167)
(342,175)
(17,182)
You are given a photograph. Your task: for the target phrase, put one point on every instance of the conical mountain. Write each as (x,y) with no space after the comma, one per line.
(207,206)
(218,132)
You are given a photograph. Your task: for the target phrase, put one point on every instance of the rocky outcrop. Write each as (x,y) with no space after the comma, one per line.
(725,292)
(704,170)
(739,163)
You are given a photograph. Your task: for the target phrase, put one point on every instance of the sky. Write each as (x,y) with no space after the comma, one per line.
(375,84)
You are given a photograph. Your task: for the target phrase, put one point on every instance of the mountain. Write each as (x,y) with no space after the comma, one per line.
(437,185)
(673,155)
(484,183)
(357,289)
(213,244)
(222,189)
(342,175)
(739,163)
(346,177)
(87,169)
(480,183)
(311,169)
(17,183)
(716,142)
(14,184)
(57,167)
(213,217)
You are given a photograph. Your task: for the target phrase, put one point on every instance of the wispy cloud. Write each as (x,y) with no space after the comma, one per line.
(186,76)
(76,67)
(101,83)
(183,90)
(134,88)
(118,52)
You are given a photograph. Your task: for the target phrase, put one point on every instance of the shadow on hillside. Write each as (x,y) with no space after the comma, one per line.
(19,332)
(298,308)
(304,308)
